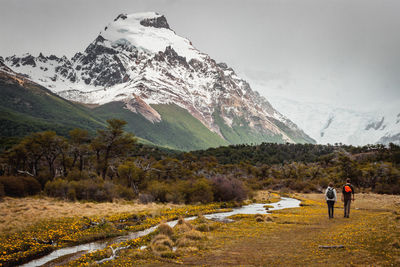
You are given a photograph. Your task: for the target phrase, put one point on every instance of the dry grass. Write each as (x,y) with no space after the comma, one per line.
(18,213)
(293,237)
(163,251)
(260,218)
(159,237)
(194,235)
(203,227)
(264,196)
(182,226)
(160,248)
(165,229)
(185,242)
(162,239)
(364,201)
(161,245)
(201,218)
(187,250)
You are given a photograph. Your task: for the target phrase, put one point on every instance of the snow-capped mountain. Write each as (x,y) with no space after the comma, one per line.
(329,124)
(139,61)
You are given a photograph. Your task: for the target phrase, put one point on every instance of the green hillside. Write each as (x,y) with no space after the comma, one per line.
(177,130)
(295,136)
(28,107)
(31,108)
(241,133)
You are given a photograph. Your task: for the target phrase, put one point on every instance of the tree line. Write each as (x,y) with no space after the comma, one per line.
(112,164)
(109,165)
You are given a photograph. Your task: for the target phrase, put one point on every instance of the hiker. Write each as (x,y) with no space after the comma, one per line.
(347,196)
(330,196)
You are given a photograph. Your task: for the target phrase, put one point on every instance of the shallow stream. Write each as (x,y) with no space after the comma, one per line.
(256,208)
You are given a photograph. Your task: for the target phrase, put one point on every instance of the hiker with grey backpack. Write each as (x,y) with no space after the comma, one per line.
(330,196)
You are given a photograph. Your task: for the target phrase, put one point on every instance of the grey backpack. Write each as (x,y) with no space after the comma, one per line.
(330,194)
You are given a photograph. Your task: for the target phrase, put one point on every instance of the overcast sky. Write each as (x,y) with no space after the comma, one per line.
(342,52)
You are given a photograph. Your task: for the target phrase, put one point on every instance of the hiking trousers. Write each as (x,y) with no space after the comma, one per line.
(331,204)
(347,207)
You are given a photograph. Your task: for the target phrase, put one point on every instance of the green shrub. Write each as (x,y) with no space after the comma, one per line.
(226,189)
(146,198)
(13,186)
(71,194)
(43,178)
(19,186)
(76,175)
(381,188)
(182,191)
(175,195)
(124,192)
(323,182)
(57,188)
(31,185)
(201,191)
(159,190)
(90,189)
(96,190)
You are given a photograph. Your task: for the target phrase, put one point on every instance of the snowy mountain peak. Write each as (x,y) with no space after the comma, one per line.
(139,61)
(147,32)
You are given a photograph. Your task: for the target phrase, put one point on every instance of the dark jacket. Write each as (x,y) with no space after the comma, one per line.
(347,195)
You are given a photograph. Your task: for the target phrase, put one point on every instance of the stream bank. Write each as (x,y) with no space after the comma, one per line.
(255,208)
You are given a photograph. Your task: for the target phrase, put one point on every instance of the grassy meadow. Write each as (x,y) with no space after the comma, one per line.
(19,213)
(292,237)
(60,224)
(283,238)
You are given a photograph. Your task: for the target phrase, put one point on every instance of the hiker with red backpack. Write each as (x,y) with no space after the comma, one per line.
(330,196)
(347,196)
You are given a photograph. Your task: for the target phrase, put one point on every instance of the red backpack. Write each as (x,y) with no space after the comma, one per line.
(347,189)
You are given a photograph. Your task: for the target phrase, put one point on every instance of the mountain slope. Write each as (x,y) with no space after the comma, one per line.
(139,61)
(27,107)
(177,130)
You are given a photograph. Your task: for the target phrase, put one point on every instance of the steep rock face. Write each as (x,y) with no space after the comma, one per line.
(139,60)
(3,66)
(137,105)
(157,22)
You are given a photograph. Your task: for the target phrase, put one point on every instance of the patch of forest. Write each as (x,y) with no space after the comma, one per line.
(112,164)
